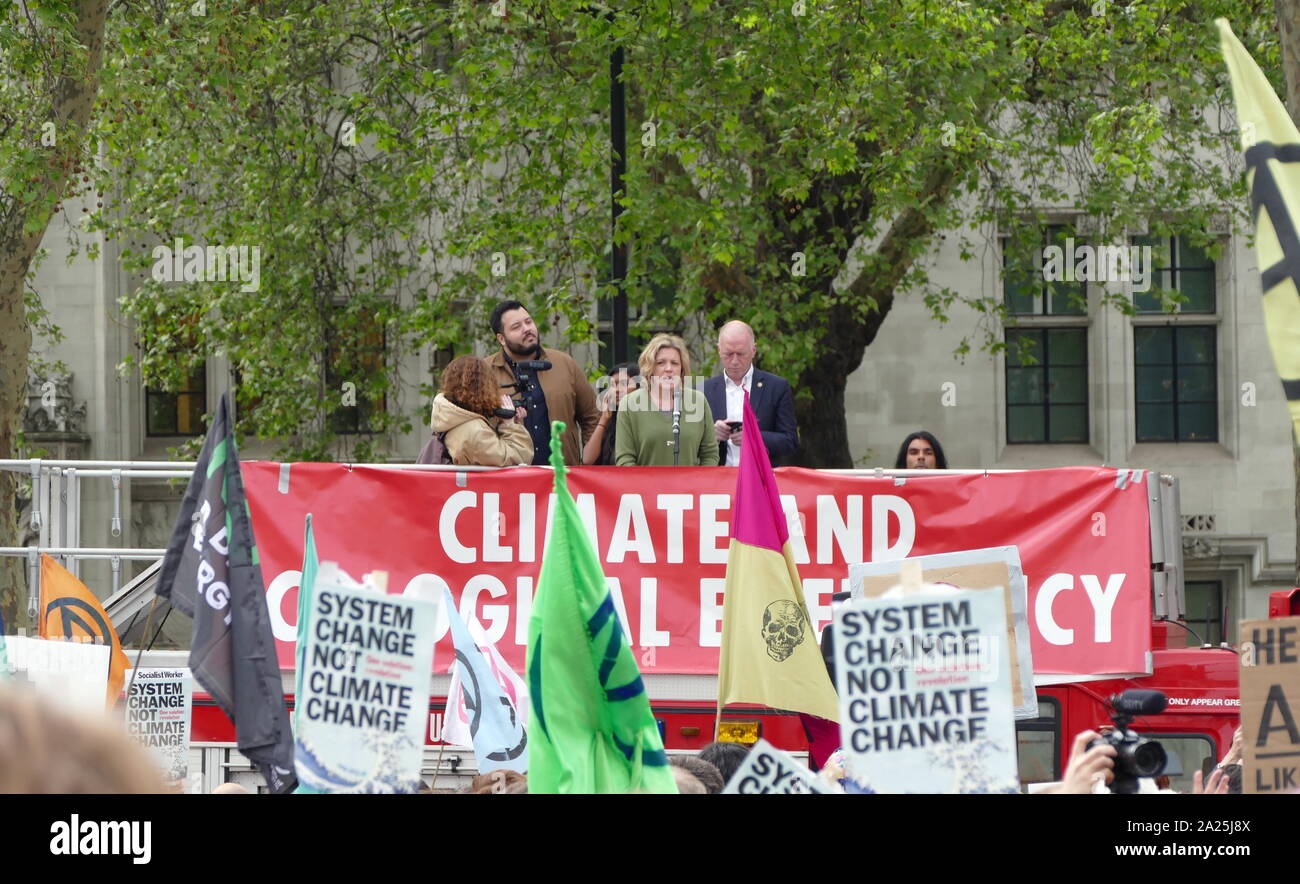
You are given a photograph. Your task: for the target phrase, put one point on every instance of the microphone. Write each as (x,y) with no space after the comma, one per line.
(677,425)
(1138,702)
(535,365)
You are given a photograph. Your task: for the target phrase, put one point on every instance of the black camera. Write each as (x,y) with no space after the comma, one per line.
(525,372)
(1135,756)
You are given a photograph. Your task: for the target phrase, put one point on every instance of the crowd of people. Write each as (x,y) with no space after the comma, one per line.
(649,414)
(45,749)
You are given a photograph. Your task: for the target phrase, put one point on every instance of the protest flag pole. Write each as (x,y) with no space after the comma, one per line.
(765,655)
(212,574)
(148,621)
(590,726)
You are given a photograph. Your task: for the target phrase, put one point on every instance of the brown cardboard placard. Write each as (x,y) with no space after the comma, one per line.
(1270,705)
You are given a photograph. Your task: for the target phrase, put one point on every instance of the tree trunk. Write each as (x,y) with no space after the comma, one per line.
(70,104)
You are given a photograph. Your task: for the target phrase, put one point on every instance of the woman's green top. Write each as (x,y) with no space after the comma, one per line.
(645,433)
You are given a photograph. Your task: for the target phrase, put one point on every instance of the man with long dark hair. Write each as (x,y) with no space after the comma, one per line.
(921,451)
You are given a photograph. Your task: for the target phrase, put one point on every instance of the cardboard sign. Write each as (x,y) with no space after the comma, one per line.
(925,692)
(994,568)
(72,673)
(365,691)
(769,771)
(159,709)
(1270,705)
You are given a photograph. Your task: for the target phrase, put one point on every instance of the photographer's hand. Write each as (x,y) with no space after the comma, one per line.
(1234,751)
(1086,766)
(1217,784)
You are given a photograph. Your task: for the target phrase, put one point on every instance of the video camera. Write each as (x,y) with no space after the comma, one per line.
(525,383)
(1135,756)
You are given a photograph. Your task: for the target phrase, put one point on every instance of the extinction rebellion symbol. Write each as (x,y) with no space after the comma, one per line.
(70,618)
(1265,194)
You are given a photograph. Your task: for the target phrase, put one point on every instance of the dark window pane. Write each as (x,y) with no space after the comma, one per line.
(1019,295)
(1190,256)
(1028,342)
(1198,287)
(1196,383)
(1198,423)
(1155,383)
(1155,423)
(1148,301)
(1067,299)
(1067,385)
(1196,345)
(1068,346)
(1153,346)
(1024,385)
(1025,424)
(161,417)
(1069,423)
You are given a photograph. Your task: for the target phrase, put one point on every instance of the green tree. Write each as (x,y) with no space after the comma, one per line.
(795,164)
(50,59)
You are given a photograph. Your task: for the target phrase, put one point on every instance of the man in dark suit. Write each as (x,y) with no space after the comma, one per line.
(769,396)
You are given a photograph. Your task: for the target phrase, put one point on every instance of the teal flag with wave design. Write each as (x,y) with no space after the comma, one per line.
(590,727)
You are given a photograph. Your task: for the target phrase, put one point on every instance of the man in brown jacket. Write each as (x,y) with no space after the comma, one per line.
(559,393)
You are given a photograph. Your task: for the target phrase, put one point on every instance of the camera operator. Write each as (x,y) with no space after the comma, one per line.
(547,383)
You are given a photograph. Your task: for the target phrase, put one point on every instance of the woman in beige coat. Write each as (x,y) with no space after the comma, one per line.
(465,416)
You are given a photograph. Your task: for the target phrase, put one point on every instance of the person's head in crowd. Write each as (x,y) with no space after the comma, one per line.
(726,756)
(469,382)
(623,379)
(687,782)
(702,770)
(921,451)
(515,330)
(736,349)
(499,782)
(665,362)
(1233,773)
(230,789)
(46,750)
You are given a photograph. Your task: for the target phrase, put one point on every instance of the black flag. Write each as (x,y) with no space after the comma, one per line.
(211,573)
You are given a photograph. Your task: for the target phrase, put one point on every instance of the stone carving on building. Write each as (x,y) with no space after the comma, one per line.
(53,423)
(1200,547)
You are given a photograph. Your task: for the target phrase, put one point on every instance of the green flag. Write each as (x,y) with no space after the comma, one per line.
(590,728)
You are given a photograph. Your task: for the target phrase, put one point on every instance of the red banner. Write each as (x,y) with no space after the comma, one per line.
(662,535)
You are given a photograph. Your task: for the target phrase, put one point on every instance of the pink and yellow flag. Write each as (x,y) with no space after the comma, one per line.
(769,647)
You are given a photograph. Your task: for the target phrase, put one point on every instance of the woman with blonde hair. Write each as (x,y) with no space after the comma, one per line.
(646,416)
(478,423)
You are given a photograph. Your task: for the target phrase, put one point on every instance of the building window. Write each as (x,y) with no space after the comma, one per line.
(1206,610)
(1048,400)
(1181,268)
(1175,369)
(178,412)
(354,357)
(1025,288)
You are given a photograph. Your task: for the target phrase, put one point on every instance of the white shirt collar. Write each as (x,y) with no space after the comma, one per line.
(746,382)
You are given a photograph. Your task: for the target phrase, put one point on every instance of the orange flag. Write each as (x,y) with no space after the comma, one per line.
(70,610)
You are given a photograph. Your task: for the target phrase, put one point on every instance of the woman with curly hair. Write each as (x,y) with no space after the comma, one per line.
(465,416)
